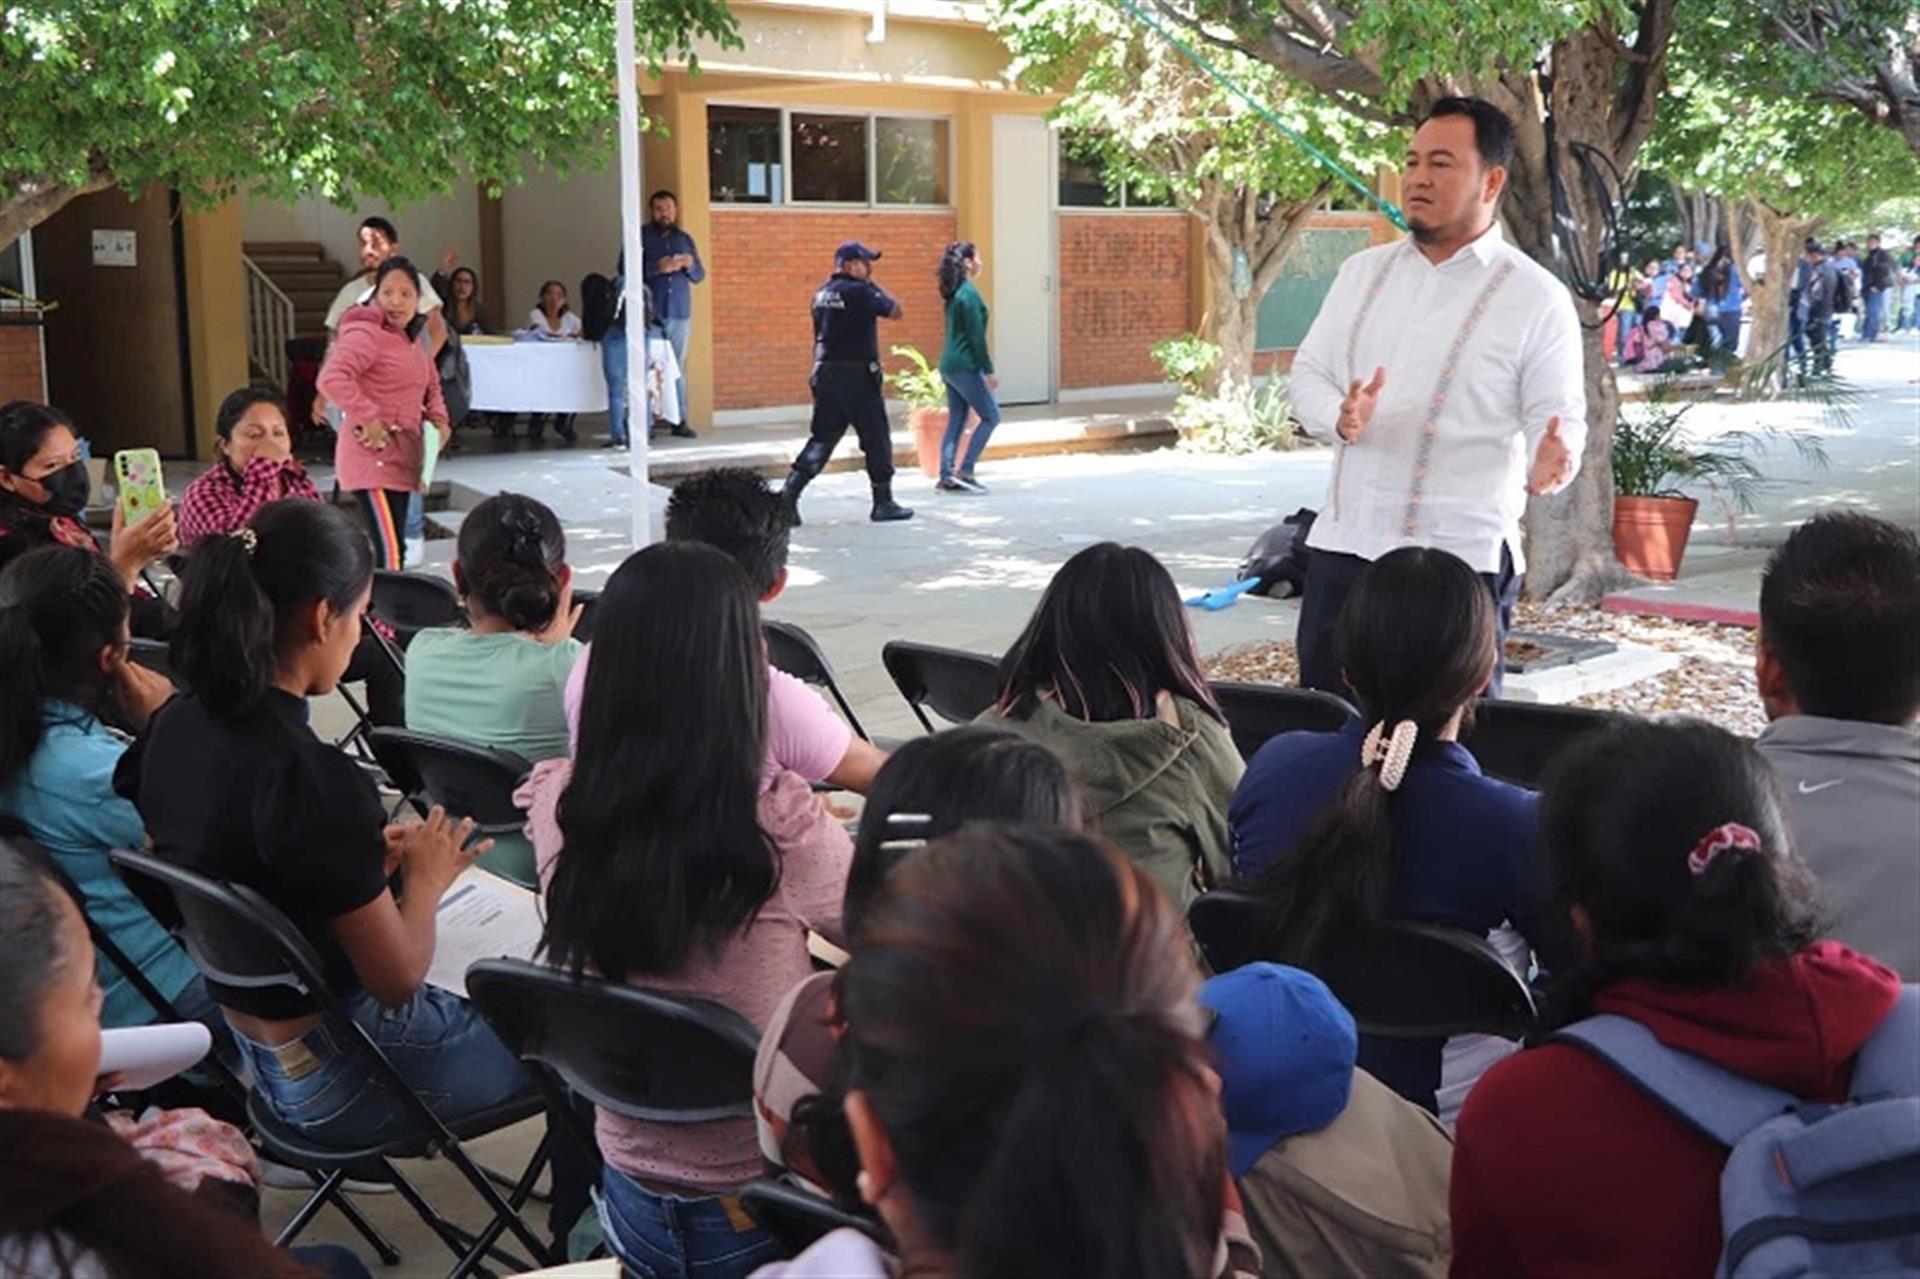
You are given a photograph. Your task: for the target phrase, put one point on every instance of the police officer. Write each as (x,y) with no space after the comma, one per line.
(847,379)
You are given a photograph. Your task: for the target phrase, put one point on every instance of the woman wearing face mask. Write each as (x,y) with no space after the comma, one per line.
(256,466)
(381,376)
(43,490)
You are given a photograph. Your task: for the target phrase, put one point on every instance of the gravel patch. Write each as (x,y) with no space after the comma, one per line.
(1714,680)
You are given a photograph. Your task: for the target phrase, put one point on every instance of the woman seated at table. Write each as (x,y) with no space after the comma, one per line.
(552,321)
(255,465)
(44,488)
(499,681)
(463,302)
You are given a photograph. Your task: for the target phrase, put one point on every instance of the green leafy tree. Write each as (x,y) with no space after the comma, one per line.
(289,98)
(1597,68)
(1859,54)
(1161,127)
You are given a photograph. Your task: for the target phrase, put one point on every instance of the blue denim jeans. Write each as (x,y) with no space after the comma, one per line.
(613,363)
(678,331)
(967,391)
(1629,321)
(435,1040)
(417,514)
(1876,314)
(659,1236)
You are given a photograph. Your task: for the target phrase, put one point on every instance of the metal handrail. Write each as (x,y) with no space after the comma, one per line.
(270,320)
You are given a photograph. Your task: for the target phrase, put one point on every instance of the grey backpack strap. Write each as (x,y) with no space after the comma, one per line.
(1721,1104)
(1889,1062)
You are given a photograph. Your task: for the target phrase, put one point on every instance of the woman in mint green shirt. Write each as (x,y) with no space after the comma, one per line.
(63,646)
(500,681)
(966,368)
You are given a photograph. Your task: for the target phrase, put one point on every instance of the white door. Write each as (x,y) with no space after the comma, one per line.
(1022,266)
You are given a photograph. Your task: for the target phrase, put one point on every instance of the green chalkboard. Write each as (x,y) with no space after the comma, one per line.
(1290,305)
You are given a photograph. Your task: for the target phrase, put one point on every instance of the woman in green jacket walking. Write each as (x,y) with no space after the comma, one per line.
(966,367)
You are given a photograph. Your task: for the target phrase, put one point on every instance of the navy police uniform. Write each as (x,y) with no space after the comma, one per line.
(848,382)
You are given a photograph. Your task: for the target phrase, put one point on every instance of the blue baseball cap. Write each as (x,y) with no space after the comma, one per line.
(1285,1050)
(854,249)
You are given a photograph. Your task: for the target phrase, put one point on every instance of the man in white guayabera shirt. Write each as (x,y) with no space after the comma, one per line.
(1447,367)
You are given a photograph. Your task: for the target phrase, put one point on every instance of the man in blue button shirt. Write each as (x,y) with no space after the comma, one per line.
(847,380)
(671,269)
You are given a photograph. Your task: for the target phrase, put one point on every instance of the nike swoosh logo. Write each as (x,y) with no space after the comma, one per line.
(1814,790)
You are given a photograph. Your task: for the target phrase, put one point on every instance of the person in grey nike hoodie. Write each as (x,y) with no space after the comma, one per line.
(1838,665)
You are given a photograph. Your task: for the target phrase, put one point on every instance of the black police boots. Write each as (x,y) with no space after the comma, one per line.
(812,459)
(885,509)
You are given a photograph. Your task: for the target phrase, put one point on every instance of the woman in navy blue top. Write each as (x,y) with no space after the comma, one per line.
(1391,818)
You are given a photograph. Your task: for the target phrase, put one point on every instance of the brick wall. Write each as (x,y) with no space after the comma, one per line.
(20,363)
(1123,287)
(763,266)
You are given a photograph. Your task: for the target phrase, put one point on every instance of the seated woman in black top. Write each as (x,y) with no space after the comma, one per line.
(232,783)
(43,490)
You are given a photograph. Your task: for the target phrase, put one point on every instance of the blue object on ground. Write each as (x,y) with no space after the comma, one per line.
(1223,597)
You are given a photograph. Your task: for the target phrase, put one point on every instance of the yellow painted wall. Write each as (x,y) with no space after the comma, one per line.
(216,313)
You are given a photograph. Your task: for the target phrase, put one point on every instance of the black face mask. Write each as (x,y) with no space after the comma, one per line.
(67,489)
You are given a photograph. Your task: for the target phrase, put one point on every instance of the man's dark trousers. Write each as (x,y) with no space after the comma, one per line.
(1330,575)
(849,395)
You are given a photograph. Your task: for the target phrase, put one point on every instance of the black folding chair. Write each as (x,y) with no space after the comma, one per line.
(798,1218)
(660,1058)
(472,781)
(413,602)
(1257,712)
(587,601)
(957,685)
(237,938)
(1404,981)
(1515,741)
(152,654)
(791,649)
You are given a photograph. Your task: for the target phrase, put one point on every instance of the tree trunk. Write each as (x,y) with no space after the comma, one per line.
(26,206)
(1231,324)
(1233,226)
(1782,236)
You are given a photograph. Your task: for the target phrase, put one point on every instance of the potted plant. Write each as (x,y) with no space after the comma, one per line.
(1653,457)
(925,392)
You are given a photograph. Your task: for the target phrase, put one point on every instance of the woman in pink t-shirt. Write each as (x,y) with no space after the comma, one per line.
(671,861)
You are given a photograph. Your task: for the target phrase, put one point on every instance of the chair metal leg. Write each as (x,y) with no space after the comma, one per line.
(521,1190)
(450,1235)
(324,1192)
(388,1254)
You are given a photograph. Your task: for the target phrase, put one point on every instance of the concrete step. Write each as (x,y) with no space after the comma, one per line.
(259,249)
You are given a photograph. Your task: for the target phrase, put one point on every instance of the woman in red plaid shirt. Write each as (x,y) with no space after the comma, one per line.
(256,466)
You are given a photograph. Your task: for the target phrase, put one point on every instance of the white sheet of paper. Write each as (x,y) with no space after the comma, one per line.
(146,1055)
(481,916)
(429,452)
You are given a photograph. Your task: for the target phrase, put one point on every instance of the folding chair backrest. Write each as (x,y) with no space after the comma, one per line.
(1515,741)
(1402,980)
(1257,713)
(799,1218)
(956,685)
(412,602)
(587,602)
(466,780)
(791,650)
(234,935)
(153,655)
(649,1056)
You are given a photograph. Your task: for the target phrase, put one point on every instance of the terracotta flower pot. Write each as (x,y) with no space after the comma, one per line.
(1650,534)
(928,426)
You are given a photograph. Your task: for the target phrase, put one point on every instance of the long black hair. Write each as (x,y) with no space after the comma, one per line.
(1108,635)
(404,266)
(24,425)
(238,591)
(511,552)
(663,848)
(1020,1016)
(1628,816)
(59,607)
(1415,639)
(953,267)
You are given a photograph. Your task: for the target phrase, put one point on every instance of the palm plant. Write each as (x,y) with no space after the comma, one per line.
(1653,456)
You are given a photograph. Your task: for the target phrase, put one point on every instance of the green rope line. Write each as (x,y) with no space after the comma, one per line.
(1387,207)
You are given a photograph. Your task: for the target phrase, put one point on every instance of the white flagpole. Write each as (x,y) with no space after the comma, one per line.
(638,415)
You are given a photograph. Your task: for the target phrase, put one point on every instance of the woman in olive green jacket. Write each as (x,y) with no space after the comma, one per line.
(1106,676)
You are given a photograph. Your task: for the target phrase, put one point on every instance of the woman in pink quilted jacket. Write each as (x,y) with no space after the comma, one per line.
(379,373)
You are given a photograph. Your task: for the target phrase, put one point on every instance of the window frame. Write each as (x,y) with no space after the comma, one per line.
(872,116)
(1125,205)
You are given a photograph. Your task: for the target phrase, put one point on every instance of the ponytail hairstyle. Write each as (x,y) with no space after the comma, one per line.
(953,267)
(663,805)
(240,590)
(511,553)
(1415,640)
(1108,635)
(1671,838)
(405,267)
(1020,1016)
(59,606)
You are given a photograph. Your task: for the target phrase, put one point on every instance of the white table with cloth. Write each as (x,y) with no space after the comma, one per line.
(561,377)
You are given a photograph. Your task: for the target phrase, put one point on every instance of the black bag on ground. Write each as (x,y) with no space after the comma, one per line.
(597,300)
(1278,557)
